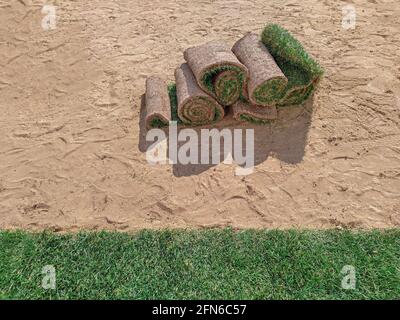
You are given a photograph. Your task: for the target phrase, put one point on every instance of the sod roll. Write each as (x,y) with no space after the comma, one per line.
(302,71)
(195,107)
(267,82)
(244,111)
(158,108)
(218,71)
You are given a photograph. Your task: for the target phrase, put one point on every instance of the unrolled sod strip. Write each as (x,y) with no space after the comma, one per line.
(158,108)
(244,111)
(217,71)
(195,107)
(267,82)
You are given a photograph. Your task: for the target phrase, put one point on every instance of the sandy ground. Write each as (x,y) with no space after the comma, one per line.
(71,146)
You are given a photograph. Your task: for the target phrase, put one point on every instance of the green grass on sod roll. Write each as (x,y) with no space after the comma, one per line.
(203,264)
(248,118)
(174,105)
(282,44)
(208,78)
(271,91)
(300,69)
(298,96)
(158,123)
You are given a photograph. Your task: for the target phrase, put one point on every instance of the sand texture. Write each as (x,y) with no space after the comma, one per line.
(72,146)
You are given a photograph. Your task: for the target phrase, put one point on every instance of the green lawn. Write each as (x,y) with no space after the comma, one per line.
(208,264)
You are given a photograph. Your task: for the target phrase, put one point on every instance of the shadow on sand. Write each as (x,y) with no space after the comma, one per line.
(285,139)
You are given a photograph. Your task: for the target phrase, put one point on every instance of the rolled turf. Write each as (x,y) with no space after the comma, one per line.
(243,111)
(158,108)
(302,71)
(194,106)
(267,82)
(218,71)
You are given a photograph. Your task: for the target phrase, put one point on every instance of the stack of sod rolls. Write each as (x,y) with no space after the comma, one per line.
(254,78)
(281,73)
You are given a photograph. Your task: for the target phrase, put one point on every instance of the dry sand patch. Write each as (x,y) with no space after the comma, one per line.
(71,146)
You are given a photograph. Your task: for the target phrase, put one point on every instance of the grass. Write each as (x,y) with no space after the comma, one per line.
(297,65)
(208,81)
(298,96)
(174,103)
(207,264)
(254,120)
(230,87)
(218,115)
(282,44)
(173,99)
(270,92)
(174,106)
(158,123)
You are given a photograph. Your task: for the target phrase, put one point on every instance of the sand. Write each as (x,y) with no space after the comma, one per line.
(71,145)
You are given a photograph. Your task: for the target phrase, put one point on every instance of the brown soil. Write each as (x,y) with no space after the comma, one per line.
(71,146)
